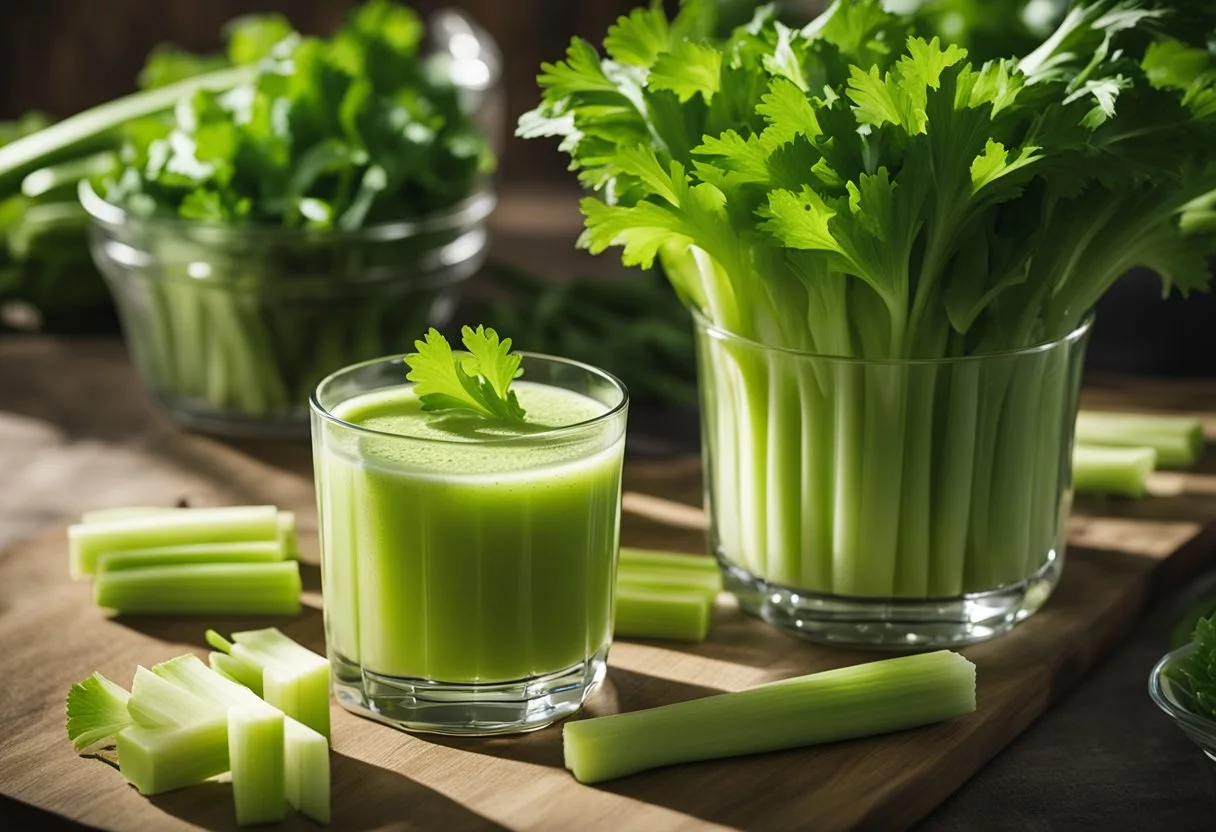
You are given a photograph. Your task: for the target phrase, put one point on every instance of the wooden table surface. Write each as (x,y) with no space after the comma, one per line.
(77,433)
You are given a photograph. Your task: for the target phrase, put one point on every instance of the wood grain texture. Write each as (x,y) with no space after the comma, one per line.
(76,433)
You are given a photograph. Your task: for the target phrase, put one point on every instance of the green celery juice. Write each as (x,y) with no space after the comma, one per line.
(461,553)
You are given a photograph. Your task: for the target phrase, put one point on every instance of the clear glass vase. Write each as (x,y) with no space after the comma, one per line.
(912,503)
(231,328)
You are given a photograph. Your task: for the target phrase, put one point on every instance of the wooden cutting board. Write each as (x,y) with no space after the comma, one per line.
(76,433)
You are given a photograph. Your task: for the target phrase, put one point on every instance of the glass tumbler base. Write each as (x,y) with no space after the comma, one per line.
(467,709)
(893,623)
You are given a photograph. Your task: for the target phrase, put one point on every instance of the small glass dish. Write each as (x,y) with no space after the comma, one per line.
(1173,698)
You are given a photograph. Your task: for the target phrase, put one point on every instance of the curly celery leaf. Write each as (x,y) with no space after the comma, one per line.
(1198,669)
(97,710)
(476,381)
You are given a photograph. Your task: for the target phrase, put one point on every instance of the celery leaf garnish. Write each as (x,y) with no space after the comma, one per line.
(97,710)
(477,381)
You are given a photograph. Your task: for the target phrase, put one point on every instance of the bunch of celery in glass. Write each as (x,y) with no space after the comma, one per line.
(852,189)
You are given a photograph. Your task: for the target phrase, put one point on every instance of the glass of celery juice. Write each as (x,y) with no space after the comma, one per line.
(468,564)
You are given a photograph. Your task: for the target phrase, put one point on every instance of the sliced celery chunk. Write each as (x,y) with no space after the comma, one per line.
(258,551)
(202,588)
(1178,440)
(255,755)
(662,613)
(88,541)
(97,710)
(647,558)
(1100,469)
(157,703)
(858,701)
(156,760)
(294,679)
(305,752)
(289,538)
(658,576)
(238,670)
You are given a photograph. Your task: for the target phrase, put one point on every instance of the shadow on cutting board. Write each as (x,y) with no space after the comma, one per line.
(365,797)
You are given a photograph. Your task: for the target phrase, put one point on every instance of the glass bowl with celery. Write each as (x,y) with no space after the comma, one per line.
(892,251)
(1183,684)
(285,210)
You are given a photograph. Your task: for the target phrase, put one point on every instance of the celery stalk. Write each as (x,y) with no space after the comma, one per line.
(88,541)
(237,669)
(289,538)
(689,579)
(255,755)
(157,703)
(294,679)
(1111,470)
(307,779)
(305,752)
(257,551)
(640,559)
(202,588)
(858,701)
(1178,440)
(670,614)
(156,760)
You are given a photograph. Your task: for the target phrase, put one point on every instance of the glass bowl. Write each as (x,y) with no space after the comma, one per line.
(1172,697)
(231,328)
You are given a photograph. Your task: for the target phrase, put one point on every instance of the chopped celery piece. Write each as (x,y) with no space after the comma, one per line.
(258,551)
(858,701)
(306,758)
(1178,440)
(659,576)
(157,703)
(1098,469)
(294,679)
(97,710)
(88,541)
(104,515)
(156,760)
(239,670)
(202,588)
(255,755)
(645,558)
(662,613)
(305,752)
(289,538)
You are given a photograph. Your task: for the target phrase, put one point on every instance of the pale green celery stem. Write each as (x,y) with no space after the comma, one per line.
(203,588)
(294,679)
(669,575)
(666,614)
(994,383)
(88,541)
(815,482)
(157,760)
(307,775)
(255,755)
(882,451)
(157,703)
(847,514)
(238,670)
(289,538)
(950,506)
(1013,479)
(1178,440)
(1051,443)
(913,546)
(785,502)
(644,559)
(253,552)
(856,701)
(1103,469)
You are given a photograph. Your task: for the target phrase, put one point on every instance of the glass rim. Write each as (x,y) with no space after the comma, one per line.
(471,210)
(723,334)
(314,405)
(1163,700)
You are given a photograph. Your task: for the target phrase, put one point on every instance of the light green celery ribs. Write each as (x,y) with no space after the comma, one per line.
(857,190)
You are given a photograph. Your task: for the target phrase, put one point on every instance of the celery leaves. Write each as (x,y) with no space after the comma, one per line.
(477,381)
(97,710)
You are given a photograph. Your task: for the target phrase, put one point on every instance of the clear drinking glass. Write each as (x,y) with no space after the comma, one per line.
(897,503)
(468,580)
